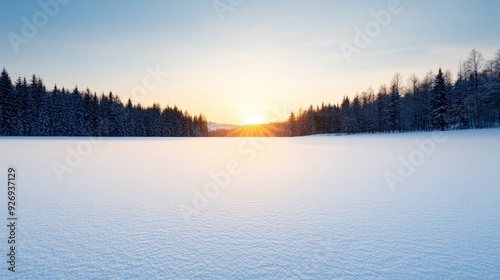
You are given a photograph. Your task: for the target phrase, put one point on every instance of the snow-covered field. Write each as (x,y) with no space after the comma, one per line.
(394,206)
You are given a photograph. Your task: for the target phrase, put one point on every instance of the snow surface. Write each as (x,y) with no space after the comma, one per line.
(300,208)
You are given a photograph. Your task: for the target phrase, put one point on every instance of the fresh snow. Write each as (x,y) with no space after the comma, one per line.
(289,208)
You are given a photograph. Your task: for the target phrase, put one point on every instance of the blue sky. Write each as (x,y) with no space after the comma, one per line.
(261,55)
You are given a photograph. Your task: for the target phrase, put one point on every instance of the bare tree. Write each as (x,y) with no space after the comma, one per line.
(412,90)
(474,65)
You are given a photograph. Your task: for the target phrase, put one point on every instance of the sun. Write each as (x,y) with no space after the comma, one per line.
(252,119)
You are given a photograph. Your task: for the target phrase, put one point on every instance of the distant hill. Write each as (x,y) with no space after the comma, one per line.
(212,126)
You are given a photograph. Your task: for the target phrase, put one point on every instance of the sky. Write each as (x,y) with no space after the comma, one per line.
(240,60)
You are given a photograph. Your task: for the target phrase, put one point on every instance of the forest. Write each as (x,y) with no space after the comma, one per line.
(434,102)
(29,109)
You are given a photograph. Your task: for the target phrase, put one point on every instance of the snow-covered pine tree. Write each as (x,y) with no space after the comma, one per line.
(381,104)
(357,115)
(88,114)
(394,109)
(369,111)
(7,109)
(496,73)
(439,103)
(203,125)
(54,113)
(292,126)
(130,122)
(347,119)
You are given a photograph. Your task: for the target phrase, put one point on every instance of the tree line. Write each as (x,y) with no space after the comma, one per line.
(29,109)
(434,102)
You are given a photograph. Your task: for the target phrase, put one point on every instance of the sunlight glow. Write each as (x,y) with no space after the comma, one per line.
(252,119)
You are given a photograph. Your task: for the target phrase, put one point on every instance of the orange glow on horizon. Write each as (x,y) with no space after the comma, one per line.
(255,130)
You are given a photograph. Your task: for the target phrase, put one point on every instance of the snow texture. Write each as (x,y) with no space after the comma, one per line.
(300,208)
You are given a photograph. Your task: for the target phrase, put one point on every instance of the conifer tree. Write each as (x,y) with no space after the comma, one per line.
(7,104)
(439,103)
